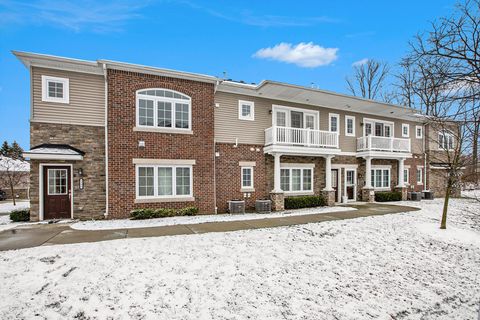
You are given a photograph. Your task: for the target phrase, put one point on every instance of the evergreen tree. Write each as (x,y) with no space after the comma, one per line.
(16,152)
(5,150)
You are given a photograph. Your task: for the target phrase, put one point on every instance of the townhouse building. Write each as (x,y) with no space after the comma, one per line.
(107,137)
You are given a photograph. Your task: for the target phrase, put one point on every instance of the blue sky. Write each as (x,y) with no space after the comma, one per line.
(303,42)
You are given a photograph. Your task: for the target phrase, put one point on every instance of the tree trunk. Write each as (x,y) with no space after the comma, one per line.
(476,131)
(13,195)
(443,224)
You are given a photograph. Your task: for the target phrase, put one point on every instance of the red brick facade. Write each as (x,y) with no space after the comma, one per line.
(123,141)
(228,174)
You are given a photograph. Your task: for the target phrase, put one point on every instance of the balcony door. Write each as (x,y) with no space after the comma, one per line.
(378,128)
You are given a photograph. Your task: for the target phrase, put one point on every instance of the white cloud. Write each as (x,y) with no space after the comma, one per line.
(308,55)
(360,62)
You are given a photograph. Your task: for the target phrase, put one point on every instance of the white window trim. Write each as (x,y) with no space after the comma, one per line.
(251,186)
(155,196)
(48,182)
(155,99)
(287,109)
(346,126)
(330,116)
(416,132)
(421,176)
(66,89)
(406,125)
(251,117)
(372,121)
(446,134)
(406,181)
(301,168)
(389,168)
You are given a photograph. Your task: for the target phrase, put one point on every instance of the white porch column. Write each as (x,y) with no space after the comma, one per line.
(276,173)
(328,173)
(368,172)
(401,181)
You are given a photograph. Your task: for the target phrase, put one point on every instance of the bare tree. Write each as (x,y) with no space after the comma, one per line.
(368,80)
(13,172)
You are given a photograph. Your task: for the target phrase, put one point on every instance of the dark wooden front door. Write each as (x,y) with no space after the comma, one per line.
(56,192)
(335,182)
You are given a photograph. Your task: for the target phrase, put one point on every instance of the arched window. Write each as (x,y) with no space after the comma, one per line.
(163,108)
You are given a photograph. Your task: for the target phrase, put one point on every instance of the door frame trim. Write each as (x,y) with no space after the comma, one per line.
(41,189)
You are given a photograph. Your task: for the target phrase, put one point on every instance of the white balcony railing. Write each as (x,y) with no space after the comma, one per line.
(301,137)
(389,144)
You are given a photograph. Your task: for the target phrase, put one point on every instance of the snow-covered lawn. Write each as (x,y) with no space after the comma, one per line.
(381,267)
(5,208)
(127,223)
(474,194)
(7,205)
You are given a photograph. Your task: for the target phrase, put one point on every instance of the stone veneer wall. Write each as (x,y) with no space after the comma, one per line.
(123,141)
(87,203)
(228,174)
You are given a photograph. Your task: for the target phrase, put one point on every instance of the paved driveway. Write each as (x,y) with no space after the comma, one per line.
(34,235)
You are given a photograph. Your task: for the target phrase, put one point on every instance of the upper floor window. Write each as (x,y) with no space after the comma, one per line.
(55,89)
(419,132)
(445,140)
(378,128)
(350,126)
(334,122)
(246,110)
(405,130)
(163,108)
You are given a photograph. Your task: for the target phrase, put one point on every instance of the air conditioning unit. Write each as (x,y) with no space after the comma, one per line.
(428,195)
(263,206)
(415,196)
(236,206)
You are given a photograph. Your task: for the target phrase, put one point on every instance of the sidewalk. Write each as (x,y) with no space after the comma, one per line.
(34,235)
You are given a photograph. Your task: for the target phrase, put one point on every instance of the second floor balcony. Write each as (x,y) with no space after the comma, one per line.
(289,136)
(384,144)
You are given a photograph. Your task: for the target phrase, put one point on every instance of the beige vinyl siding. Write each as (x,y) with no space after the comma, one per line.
(228,127)
(87,96)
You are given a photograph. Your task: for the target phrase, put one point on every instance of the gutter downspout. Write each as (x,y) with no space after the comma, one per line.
(106,140)
(425,159)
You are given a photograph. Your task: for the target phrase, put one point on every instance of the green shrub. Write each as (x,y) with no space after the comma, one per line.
(388,196)
(188,211)
(139,214)
(304,202)
(20,215)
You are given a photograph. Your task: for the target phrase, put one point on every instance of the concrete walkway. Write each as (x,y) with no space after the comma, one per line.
(27,236)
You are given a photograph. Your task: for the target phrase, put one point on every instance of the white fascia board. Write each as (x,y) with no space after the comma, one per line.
(52,156)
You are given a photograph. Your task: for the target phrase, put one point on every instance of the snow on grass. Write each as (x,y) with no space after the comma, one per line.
(379,267)
(475,194)
(127,223)
(7,205)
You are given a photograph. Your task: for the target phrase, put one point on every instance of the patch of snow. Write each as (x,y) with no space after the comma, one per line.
(451,234)
(378,267)
(7,206)
(475,194)
(129,224)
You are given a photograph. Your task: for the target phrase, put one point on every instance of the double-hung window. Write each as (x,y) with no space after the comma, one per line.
(164,109)
(378,128)
(380,178)
(246,110)
(405,130)
(296,179)
(55,89)
(164,181)
(350,126)
(247,178)
(406,174)
(418,132)
(445,140)
(419,175)
(334,122)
